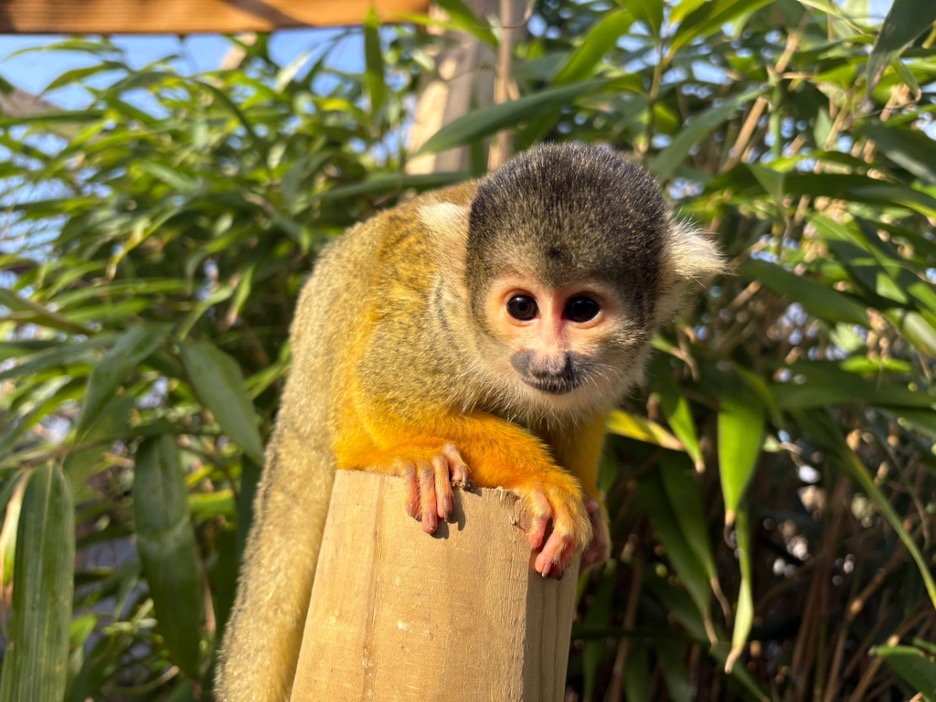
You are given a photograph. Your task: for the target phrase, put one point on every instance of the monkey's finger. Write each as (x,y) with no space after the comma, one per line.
(411,490)
(540,512)
(427,498)
(456,465)
(443,487)
(600,547)
(555,556)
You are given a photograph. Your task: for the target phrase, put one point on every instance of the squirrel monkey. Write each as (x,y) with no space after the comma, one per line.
(482,332)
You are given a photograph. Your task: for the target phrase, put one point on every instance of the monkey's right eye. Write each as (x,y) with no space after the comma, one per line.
(522,308)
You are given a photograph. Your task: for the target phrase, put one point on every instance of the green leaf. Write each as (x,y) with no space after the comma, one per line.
(594,46)
(36,662)
(131,349)
(908,148)
(824,383)
(637,679)
(665,163)
(170,176)
(662,513)
(676,408)
(822,301)
(741,424)
(489,120)
(679,683)
(912,665)
(641,429)
(464,19)
(599,613)
(651,13)
(391,182)
(168,552)
(685,497)
(916,328)
(219,385)
(830,8)
(905,21)
(56,356)
(374,65)
(710,17)
(744,612)
(820,429)
(37,314)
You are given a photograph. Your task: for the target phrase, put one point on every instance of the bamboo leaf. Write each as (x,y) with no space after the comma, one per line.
(678,413)
(741,423)
(666,526)
(912,665)
(462,17)
(684,495)
(36,662)
(168,552)
(642,429)
(665,163)
(594,46)
(820,429)
(219,385)
(709,17)
(131,349)
(905,21)
(374,65)
(908,148)
(489,120)
(39,314)
(821,300)
(744,612)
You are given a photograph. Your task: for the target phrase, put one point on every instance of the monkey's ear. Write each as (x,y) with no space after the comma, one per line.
(690,258)
(448,231)
(445,220)
(692,255)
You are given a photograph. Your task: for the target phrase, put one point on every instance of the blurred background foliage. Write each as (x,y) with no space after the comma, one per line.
(771,489)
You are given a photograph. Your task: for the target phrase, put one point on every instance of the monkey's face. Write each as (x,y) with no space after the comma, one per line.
(568,347)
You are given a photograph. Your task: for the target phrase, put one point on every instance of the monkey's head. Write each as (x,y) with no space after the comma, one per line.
(573,260)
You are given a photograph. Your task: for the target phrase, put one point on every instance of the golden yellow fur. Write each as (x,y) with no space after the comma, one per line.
(395,371)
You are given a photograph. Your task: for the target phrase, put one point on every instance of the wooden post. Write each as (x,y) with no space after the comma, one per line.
(460,616)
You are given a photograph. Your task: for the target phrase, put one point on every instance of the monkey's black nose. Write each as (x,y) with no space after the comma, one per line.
(553,375)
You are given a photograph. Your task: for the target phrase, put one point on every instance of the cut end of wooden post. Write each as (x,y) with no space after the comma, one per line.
(461,615)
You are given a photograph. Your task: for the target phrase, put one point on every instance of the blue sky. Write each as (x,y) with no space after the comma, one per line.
(34,70)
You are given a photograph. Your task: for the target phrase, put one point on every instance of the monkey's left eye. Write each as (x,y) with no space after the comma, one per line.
(522,308)
(582,309)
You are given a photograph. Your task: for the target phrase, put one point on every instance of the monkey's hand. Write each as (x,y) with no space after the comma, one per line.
(555,500)
(500,454)
(429,484)
(599,549)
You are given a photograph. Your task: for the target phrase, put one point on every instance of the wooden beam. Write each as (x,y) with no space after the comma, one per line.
(189,16)
(460,616)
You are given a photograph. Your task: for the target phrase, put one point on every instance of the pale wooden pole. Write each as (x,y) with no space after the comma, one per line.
(461,616)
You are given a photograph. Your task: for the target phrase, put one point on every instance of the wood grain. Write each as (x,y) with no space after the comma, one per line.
(189,16)
(460,616)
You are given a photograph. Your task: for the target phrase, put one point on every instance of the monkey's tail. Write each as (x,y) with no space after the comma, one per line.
(262,639)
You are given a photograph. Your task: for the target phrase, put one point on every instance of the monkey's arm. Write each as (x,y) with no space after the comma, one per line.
(498,453)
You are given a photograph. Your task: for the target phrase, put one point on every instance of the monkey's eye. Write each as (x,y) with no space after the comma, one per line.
(581,309)
(522,308)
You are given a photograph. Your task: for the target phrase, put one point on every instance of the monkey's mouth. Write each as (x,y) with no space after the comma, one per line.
(557,385)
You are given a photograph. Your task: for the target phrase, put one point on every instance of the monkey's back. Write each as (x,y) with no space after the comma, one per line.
(381,270)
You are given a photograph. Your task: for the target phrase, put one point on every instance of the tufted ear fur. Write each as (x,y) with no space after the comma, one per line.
(445,219)
(448,225)
(690,258)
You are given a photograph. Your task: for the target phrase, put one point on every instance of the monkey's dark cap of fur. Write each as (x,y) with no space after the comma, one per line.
(571,210)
